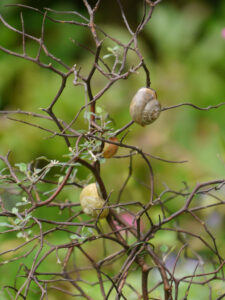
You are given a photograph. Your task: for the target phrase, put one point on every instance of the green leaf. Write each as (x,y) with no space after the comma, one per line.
(2,224)
(60,179)
(86,232)
(107,56)
(37,171)
(22,167)
(20,235)
(77,237)
(74,236)
(15,210)
(27,218)
(98,110)
(87,115)
(115,48)
(21,203)
(17,221)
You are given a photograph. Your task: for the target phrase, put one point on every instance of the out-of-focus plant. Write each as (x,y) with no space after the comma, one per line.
(111,240)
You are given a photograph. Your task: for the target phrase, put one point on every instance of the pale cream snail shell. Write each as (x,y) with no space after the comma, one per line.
(144,107)
(92,202)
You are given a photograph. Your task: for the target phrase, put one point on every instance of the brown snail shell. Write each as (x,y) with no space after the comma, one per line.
(110,149)
(144,107)
(92,202)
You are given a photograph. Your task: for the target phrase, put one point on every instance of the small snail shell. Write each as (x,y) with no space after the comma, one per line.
(144,107)
(92,202)
(110,149)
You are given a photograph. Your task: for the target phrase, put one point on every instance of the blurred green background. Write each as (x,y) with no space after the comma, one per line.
(184,49)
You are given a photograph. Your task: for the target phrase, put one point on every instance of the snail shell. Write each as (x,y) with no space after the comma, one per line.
(92,202)
(110,149)
(144,107)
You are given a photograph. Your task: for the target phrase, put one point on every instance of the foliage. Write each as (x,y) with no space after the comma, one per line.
(161,223)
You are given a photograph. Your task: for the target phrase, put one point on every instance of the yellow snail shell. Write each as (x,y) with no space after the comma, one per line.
(92,202)
(144,107)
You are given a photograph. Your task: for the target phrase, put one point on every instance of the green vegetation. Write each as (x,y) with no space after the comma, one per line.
(184,50)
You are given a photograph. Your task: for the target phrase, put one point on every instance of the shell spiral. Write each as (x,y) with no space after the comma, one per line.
(144,107)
